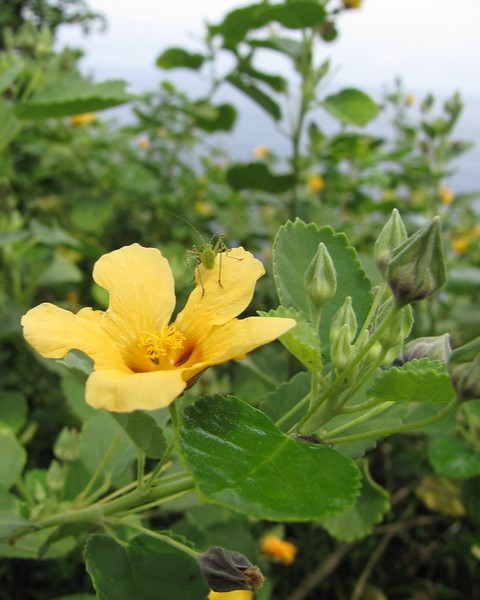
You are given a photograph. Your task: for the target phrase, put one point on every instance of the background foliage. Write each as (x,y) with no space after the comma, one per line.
(74,185)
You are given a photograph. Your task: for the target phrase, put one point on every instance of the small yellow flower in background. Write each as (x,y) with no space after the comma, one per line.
(315,183)
(235,595)
(409,99)
(260,152)
(83,119)
(143,142)
(277,549)
(141,360)
(352,3)
(446,195)
(202,208)
(461,244)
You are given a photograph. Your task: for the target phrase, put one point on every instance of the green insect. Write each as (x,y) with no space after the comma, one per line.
(207,256)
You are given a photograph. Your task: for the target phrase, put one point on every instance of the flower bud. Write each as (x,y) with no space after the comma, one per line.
(320,279)
(226,570)
(464,369)
(398,329)
(417,267)
(345,315)
(392,235)
(436,347)
(341,350)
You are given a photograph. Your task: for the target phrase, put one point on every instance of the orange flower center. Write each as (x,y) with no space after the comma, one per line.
(162,343)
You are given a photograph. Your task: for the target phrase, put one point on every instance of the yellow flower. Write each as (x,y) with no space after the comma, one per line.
(83,119)
(446,195)
(260,152)
(143,142)
(352,3)
(278,549)
(141,361)
(202,208)
(235,595)
(315,183)
(461,244)
(409,99)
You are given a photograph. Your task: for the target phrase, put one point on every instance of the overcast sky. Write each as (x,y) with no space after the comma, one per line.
(434,45)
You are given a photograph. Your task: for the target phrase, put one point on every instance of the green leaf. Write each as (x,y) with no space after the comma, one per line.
(222,117)
(10,523)
(99,435)
(302,341)
(358,520)
(451,455)
(471,498)
(77,597)
(31,544)
(287,395)
(241,460)
(142,569)
(287,46)
(9,124)
(52,236)
(8,77)
(71,96)
(175,58)
(13,458)
(293,15)
(296,15)
(61,270)
(394,415)
(276,82)
(257,176)
(13,410)
(256,94)
(144,432)
(417,381)
(294,247)
(352,106)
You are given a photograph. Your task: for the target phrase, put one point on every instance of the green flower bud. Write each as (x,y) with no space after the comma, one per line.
(341,351)
(362,341)
(320,279)
(345,315)
(466,379)
(398,329)
(417,268)
(227,570)
(392,235)
(464,369)
(435,347)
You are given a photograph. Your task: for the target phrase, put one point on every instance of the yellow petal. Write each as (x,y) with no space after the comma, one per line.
(122,392)
(53,332)
(216,303)
(141,287)
(235,595)
(235,339)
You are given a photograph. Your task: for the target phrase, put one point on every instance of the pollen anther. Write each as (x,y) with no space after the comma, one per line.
(160,342)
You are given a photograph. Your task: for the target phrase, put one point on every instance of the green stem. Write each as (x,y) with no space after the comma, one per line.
(136,497)
(377,410)
(141,469)
(293,410)
(447,410)
(158,536)
(328,405)
(98,471)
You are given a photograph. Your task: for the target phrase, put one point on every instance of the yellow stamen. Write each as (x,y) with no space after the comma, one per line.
(160,342)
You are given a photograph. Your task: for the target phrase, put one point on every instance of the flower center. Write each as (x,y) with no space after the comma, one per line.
(160,342)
